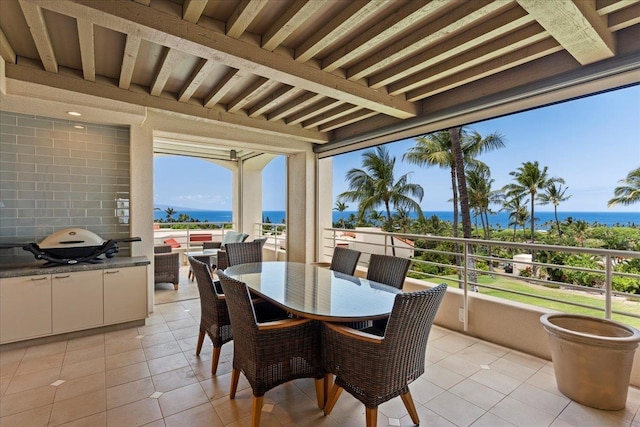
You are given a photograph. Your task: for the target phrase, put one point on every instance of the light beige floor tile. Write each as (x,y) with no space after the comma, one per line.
(39,364)
(525,360)
(121,345)
(127,373)
(4,385)
(521,414)
(496,380)
(147,330)
(540,399)
(156,423)
(167,363)
(435,354)
(38,351)
(545,382)
(134,414)
(12,356)
(178,315)
(490,420)
(476,354)
(155,339)
(184,333)
(455,409)
(182,323)
(453,342)
(201,416)
(78,407)
(82,354)
(81,369)
(182,398)
(80,386)
(459,365)
(442,377)
(172,380)
(32,380)
(476,393)
(38,417)
(218,387)
(95,420)
(26,400)
(163,349)
(427,418)
(122,334)
(123,359)
(8,369)
(580,415)
(129,392)
(234,410)
(514,370)
(423,391)
(85,342)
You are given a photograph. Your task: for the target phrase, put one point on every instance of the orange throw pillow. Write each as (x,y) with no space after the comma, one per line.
(173,242)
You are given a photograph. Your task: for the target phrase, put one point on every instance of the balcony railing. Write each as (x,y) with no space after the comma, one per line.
(529,273)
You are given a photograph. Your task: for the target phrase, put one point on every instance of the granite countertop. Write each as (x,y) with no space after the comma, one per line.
(37,267)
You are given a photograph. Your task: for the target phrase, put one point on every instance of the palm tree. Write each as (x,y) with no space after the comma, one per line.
(170,212)
(518,213)
(554,194)
(341,207)
(481,196)
(629,192)
(375,186)
(434,149)
(529,179)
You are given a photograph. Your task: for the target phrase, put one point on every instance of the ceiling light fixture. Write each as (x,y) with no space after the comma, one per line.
(78,126)
(73,113)
(233,155)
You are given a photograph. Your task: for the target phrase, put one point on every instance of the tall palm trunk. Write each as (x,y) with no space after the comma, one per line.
(456,149)
(389,221)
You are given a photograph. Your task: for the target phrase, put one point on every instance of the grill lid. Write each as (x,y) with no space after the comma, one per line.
(71,238)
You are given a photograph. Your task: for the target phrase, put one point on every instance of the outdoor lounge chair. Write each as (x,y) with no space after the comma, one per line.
(166,265)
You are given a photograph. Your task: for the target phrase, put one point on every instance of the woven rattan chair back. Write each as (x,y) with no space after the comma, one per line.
(393,362)
(243,253)
(387,269)
(344,260)
(211,245)
(161,249)
(214,317)
(271,356)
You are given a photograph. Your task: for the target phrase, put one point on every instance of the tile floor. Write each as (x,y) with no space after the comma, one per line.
(151,376)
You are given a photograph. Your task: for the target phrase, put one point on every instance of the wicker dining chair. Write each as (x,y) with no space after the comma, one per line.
(214,317)
(392,361)
(166,265)
(387,269)
(270,354)
(244,253)
(344,260)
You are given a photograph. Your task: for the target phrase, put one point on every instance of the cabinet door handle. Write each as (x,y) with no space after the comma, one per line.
(62,277)
(112,272)
(37,279)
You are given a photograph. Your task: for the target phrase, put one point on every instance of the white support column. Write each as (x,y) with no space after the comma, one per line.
(325,206)
(141,197)
(252,193)
(301,207)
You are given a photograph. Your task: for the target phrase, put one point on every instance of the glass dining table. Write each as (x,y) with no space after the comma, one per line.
(316,292)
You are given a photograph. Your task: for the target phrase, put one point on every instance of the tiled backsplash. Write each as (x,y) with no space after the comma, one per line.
(54,176)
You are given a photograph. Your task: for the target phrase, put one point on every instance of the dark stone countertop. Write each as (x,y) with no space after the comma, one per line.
(36,267)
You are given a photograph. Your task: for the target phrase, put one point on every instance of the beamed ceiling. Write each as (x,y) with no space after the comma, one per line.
(312,70)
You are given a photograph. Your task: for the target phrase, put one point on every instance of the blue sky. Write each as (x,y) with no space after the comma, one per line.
(591,143)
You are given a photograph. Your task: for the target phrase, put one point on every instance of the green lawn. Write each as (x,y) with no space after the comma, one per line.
(632,307)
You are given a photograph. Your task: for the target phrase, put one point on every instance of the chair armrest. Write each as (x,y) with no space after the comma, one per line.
(281,324)
(354,333)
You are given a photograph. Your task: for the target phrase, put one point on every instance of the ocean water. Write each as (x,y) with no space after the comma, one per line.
(498,220)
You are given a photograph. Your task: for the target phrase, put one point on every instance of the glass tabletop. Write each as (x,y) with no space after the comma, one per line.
(316,292)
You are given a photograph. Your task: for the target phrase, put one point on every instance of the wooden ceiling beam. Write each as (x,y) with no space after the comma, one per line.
(347,120)
(330,115)
(6,51)
(576,26)
(227,120)
(313,110)
(269,102)
(624,18)
(192,10)
(296,15)
(354,13)
(169,60)
(296,105)
(505,62)
(499,26)
(200,73)
(131,49)
(606,7)
(173,32)
(87,49)
(251,93)
(39,32)
(223,87)
(243,15)
(431,33)
(405,17)
(499,47)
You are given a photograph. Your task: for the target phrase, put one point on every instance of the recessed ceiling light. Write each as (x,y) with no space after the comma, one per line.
(78,126)
(73,113)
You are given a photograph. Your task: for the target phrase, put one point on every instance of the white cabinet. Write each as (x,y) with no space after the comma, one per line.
(76,300)
(125,294)
(25,307)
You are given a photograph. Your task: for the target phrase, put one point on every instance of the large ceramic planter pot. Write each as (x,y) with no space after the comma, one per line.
(592,358)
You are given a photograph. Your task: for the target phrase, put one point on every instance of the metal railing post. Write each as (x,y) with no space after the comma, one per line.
(608,267)
(465,289)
